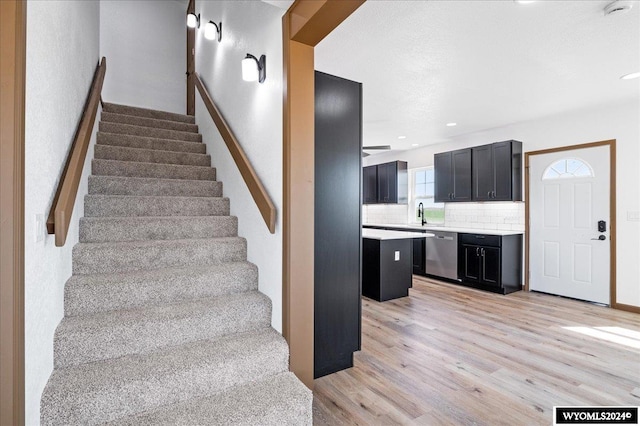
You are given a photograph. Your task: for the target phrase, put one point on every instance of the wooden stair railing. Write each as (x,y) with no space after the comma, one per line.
(64,200)
(257,190)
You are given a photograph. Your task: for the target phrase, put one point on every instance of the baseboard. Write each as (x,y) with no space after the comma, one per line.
(628,308)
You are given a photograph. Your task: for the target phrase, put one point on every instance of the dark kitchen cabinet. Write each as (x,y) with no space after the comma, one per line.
(497,171)
(370,185)
(337,223)
(419,256)
(490,262)
(393,185)
(453,176)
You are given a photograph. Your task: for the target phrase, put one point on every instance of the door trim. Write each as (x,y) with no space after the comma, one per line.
(612,214)
(13,19)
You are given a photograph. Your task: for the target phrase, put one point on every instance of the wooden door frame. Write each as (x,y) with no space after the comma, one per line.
(304,25)
(13,19)
(612,214)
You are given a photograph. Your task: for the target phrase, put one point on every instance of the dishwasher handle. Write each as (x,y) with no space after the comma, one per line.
(443,237)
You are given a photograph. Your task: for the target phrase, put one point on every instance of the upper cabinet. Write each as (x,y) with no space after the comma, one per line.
(385,183)
(497,171)
(453,176)
(490,172)
(370,185)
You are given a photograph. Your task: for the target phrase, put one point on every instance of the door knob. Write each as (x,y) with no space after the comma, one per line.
(601,238)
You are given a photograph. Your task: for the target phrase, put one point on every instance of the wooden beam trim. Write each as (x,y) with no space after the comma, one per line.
(256,188)
(312,21)
(13,19)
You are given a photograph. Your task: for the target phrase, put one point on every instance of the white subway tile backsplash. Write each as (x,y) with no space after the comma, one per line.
(502,216)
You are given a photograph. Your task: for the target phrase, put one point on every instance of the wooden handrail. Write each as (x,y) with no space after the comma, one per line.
(259,194)
(62,207)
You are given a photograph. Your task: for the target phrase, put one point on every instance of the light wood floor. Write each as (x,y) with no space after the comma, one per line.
(452,355)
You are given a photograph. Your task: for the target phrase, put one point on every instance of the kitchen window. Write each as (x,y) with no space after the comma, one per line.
(422,190)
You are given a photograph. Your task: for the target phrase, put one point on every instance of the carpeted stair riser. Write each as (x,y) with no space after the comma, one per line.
(108,152)
(90,294)
(99,392)
(145,112)
(117,185)
(148,122)
(104,258)
(139,205)
(150,143)
(103,229)
(280,400)
(150,132)
(79,340)
(151,170)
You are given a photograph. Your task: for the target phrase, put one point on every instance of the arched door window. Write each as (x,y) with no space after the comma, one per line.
(568,168)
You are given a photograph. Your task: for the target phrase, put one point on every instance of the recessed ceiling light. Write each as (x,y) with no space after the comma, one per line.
(402,137)
(524,1)
(617,7)
(451,124)
(630,76)
(415,144)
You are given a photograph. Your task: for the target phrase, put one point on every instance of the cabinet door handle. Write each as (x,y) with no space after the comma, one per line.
(493,194)
(488,194)
(477,250)
(482,252)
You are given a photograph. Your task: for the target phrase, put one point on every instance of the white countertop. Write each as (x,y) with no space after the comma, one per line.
(381,234)
(447,229)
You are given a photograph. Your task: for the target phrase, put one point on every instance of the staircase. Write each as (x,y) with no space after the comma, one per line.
(164,323)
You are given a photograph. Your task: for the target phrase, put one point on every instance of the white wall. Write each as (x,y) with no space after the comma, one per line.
(62,54)
(145,46)
(619,121)
(254,113)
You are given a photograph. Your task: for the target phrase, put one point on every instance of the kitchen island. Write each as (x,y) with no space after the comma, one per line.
(387,263)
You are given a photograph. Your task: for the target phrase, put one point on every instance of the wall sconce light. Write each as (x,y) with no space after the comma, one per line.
(193,20)
(213,31)
(254,69)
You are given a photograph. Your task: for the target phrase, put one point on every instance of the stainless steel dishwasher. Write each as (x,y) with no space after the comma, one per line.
(441,254)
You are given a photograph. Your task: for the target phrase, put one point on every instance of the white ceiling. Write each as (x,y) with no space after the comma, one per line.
(482,64)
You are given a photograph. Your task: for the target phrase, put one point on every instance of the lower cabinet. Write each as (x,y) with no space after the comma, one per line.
(419,256)
(490,262)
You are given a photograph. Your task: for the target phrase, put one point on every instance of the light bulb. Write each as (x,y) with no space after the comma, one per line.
(192,20)
(249,69)
(210,31)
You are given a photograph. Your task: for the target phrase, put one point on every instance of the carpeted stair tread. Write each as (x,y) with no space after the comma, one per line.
(280,400)
(93,293)
(103,229)
(145,112)
(103,258)
(109,152)
(124,185)
(97,205)
(143,142)
(129,129)
(151,170)
(104,391)
(157,123)
(88,338)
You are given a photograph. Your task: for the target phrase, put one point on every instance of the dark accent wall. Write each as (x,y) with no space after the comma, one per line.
(337,270)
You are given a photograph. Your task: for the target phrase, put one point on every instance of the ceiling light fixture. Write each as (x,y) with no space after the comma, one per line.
(193,20)
(254,69)
(402,137)
(213,31)
(524,1)
(415,144)
(451,124)
(630,76)
(617,7)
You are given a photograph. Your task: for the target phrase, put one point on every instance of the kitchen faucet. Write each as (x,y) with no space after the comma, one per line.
(421,213)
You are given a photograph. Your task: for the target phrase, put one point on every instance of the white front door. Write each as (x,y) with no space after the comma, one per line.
(569,223)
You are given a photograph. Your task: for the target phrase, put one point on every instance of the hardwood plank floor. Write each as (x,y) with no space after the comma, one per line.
(451,355)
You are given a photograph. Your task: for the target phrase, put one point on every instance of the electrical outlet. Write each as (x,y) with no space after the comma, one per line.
(39,228)
(397,256)
(633,216)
